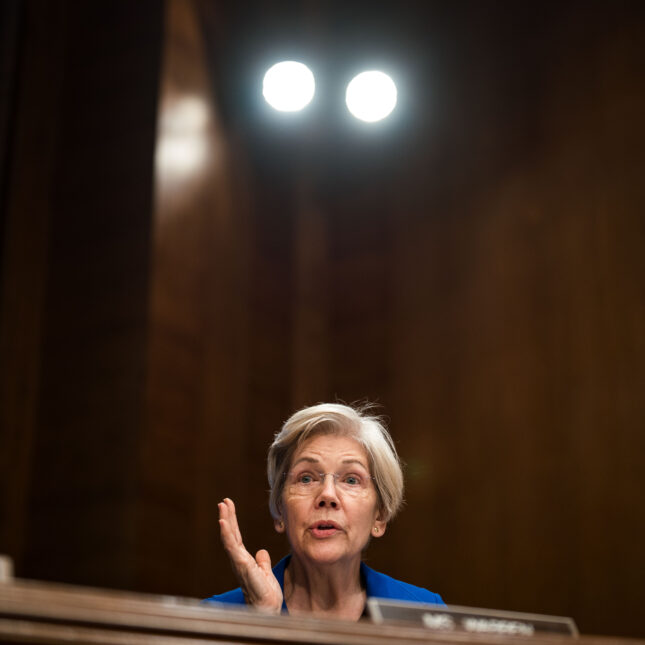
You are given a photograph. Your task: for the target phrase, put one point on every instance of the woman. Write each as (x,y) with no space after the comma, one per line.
(336,482)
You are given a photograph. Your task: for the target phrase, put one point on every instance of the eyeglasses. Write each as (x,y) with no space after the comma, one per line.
(309,482)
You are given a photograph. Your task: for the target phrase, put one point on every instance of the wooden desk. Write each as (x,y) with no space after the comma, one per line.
(35,612)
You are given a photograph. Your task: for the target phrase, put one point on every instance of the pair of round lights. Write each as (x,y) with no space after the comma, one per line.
(289,86)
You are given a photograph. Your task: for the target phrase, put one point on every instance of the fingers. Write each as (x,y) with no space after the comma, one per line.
(231,515)
(228,518)
(230,533)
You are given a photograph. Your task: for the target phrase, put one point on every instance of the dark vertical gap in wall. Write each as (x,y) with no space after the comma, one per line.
(32,159)
(11,59)
(96,299)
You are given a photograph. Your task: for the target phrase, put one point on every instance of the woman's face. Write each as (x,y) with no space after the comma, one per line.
(329,519)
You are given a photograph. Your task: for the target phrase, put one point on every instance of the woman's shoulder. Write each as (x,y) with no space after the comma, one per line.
(380,585)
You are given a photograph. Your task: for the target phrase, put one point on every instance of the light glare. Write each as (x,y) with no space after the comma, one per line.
(288,86)
(371,96)
(182,149)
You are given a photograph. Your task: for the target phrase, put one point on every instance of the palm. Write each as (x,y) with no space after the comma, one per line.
(260,586)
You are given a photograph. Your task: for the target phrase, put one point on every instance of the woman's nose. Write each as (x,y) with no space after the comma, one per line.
(328,495)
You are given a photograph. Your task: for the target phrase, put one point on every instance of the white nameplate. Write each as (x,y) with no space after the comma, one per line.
(469,619)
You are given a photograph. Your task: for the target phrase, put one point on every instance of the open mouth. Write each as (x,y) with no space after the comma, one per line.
(324,529)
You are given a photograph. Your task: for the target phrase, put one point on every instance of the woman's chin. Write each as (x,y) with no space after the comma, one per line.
(325,553)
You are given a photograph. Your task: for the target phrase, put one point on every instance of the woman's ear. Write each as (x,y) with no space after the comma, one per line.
(278,522)
(380,525)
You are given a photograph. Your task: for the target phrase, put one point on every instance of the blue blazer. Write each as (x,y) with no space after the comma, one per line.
(377,585)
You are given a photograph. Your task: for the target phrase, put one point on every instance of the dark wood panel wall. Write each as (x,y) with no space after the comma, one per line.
(182,269)
(75,285)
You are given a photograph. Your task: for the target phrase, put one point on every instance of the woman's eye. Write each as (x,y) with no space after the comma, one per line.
(352,480)
(305,478)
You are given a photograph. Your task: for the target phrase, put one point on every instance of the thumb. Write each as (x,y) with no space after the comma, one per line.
(263,559)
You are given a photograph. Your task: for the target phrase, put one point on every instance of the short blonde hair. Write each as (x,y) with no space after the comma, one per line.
(336,418)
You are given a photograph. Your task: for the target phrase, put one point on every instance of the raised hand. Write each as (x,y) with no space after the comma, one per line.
(261,588)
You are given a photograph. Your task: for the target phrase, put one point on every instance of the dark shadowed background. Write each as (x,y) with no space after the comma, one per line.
(182,268)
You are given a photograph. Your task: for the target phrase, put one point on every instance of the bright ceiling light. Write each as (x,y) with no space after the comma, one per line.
(371,96)
(288,86)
